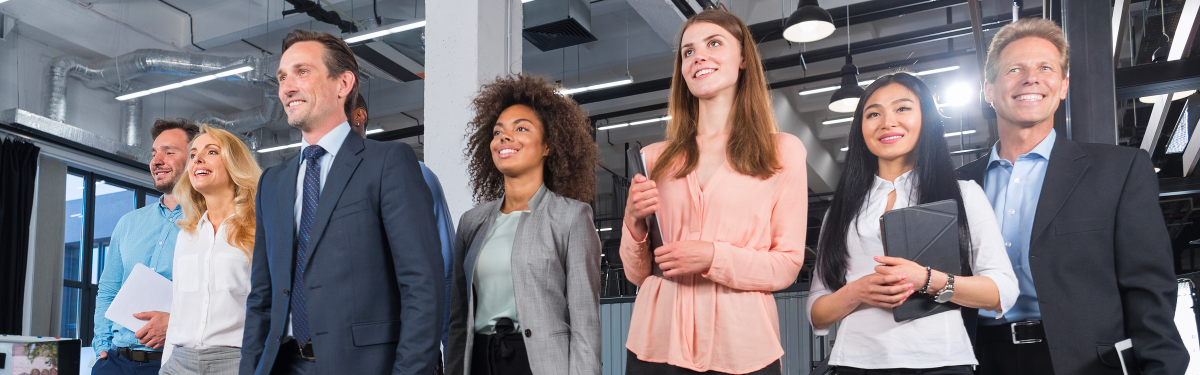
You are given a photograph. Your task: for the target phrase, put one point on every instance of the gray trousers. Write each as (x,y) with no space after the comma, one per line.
(212,361)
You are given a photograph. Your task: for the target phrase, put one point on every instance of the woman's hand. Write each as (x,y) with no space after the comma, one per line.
(684,257)
(643,201)
(914,272)
(881,290)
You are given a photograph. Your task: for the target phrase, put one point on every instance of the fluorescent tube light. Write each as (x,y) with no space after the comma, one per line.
(204,78)
(845,148)
(624,124)
(526,1)
(390,30)
(955,134)
(837,121)
(869,82)
(376,130)
(277,148)
(566,91)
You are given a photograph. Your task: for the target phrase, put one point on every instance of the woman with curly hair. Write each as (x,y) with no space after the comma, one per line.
(526,291)
(212,255)
(731,195)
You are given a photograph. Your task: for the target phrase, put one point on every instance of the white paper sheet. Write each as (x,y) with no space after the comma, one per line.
(144,290)
(1185,321)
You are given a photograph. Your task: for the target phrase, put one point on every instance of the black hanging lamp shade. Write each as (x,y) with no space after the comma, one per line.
(845,99)
(808,23)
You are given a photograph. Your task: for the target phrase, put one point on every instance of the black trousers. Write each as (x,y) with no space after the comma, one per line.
(635,366)
(500,354)
(998,355)
(948,370)
(289,361)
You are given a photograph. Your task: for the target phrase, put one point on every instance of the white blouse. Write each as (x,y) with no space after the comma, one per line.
(869,337)
(212,280)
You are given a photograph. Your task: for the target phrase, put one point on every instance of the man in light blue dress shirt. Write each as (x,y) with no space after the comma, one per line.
(147,236)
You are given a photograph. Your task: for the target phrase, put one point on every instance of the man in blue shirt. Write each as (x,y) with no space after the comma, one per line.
(146,236)
(1081,224)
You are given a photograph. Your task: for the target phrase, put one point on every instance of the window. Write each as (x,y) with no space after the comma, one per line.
(94,204)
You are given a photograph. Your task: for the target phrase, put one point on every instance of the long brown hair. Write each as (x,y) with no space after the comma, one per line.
(751,149)
(244,172)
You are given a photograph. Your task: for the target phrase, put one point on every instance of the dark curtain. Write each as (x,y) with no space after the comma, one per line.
(18,170)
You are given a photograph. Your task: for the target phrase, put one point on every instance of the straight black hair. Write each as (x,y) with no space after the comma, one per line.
(933,176)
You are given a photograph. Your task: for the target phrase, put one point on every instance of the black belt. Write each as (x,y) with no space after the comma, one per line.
(1015,333)
(306,351)
(142,356)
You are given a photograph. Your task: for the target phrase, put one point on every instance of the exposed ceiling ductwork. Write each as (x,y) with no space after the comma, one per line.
(114,74)
(269,112)
(554,24)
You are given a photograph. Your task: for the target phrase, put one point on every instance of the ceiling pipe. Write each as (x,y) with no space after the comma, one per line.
(114,74)
(131,119)
(270,111)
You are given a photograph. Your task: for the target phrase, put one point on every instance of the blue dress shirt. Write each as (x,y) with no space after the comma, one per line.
(147,236)
(1014,189)
(445,227)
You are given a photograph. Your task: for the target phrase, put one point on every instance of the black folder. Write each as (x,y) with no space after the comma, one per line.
(654,238)
(928,235)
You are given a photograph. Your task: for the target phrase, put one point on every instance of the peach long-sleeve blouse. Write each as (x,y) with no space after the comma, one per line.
(723,319)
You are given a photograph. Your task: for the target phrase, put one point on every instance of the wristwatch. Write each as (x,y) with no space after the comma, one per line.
(947,292)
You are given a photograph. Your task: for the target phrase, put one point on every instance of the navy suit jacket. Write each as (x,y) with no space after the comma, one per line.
(374,274)
(1101,260)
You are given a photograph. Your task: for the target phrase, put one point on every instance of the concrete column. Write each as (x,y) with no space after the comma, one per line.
(468,43)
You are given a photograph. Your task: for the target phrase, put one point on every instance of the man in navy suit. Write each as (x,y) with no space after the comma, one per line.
(347,274)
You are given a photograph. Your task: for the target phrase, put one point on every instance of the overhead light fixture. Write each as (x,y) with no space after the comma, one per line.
(204,78)
(844,148)
(1179,95)
(869,82)
(955,134)
(365,35)
(566,91)
(808,23)
(845,99)
(376,130)
(277,148)
(624,124)
(837,121)
(525,1)
(959,94)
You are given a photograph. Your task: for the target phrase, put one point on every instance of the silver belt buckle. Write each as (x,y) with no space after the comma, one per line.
(1013,327)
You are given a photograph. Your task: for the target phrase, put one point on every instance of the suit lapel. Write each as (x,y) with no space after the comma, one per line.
(490,209)
(286,209)
(1065,169)
(344,165)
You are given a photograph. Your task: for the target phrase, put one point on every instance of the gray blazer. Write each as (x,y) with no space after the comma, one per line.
(556,280)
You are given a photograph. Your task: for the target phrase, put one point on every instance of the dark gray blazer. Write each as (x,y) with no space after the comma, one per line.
(374,277)
(556,281)
(1101,260)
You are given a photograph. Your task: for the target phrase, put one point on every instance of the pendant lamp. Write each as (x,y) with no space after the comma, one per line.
(845,99)
(808,23)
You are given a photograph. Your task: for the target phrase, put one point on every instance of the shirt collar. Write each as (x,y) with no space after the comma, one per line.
(332,141)
(902,183)
(166,211)
(1042,149)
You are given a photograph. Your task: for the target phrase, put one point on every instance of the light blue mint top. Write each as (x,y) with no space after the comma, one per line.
(493,275)
(147,236)
(1014,189)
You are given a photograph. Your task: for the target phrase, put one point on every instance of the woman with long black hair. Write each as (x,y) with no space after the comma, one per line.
(897,158)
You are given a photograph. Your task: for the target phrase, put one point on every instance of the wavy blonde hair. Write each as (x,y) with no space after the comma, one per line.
(751,149)
(244,172)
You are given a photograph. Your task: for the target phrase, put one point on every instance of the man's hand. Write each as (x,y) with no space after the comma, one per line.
(103,355)
(154,334)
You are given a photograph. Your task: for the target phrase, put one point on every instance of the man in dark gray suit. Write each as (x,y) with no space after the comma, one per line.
(1081,224)
(347,276)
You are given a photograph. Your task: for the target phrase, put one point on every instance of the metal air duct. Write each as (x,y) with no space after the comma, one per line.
(112,74)
(269,112)
(554,24)
(131,118)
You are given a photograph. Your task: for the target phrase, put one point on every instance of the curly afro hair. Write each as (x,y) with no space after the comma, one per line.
(570,168)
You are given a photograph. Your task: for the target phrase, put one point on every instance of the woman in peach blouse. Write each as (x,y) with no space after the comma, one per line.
(731,195)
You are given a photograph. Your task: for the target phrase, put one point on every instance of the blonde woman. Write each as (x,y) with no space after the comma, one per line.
(212,255)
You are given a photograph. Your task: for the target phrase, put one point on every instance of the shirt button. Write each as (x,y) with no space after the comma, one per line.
(528,333)
(1008,244)
(1010,212)
(1017,180)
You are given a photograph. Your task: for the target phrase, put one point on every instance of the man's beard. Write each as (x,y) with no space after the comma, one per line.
(303,121)
(166,187)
